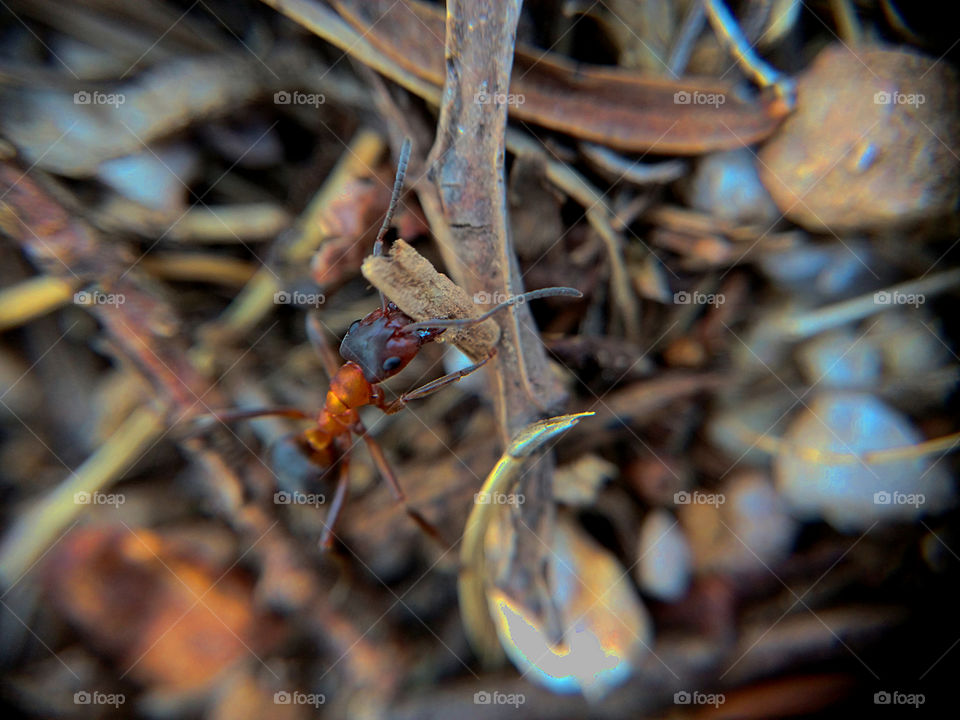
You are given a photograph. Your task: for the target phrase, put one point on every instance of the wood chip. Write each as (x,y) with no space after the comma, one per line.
(415,286)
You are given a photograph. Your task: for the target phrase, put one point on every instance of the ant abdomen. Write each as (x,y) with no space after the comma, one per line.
(292,464)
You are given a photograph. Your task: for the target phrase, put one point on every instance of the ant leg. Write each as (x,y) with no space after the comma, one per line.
(204,422)
(380,460)
(330,360)
(430,388)
(339,495)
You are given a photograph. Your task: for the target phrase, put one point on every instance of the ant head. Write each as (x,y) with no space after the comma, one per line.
(382,344)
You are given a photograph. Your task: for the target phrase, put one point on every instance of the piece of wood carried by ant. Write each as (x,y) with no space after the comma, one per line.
(415,286)
(376,348)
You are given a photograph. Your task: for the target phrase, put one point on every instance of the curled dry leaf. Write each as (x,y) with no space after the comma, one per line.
(350,223)
(605,627)
(500,481)
(134,595)
(618,108)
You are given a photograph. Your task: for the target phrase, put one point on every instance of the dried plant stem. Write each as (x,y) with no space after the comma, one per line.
(32,298)
(468,212)
(838,314)
(576,186)
(38,527)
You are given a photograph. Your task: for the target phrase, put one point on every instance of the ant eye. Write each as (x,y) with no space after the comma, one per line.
(391,363)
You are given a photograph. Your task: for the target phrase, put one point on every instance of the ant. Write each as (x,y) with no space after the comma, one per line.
(375,348)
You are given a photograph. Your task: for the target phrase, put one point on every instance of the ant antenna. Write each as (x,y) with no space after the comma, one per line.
(532,295)
(395,197)
(394,200)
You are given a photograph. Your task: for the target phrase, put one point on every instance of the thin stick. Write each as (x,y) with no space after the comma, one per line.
(838,314)
(32,298)
(730,34)
(779,446)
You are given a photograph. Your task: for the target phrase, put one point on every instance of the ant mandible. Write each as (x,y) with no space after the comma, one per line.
(375,348)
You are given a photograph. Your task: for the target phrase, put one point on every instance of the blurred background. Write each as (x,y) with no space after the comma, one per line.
(758,201)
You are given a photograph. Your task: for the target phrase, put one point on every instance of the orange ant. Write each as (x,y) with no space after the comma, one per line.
(375,348)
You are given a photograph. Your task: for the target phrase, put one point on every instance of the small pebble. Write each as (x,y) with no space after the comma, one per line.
(871,144)
(828,270)
(665,562)
(909,342)
(852,496)
(750,531)
(840,359)
(157,178)
(726,184)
